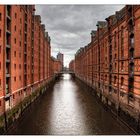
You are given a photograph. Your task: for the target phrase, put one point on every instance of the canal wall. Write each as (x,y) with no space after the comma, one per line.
(8,119)
(122,111)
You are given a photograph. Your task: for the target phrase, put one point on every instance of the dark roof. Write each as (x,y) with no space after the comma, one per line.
(93,32)
(119,15)
(38,18)
(101,24)
(79,50)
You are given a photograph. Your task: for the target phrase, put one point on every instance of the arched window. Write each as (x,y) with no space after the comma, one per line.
(115,80)
(122,81)
(115,56)
(131,84)
(115,66)
(131,53)
(122,66)
(131,67)
(105,77)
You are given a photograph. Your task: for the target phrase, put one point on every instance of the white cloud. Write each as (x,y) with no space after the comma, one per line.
(70,25)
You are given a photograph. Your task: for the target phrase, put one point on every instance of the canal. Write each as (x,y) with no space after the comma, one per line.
(68,109)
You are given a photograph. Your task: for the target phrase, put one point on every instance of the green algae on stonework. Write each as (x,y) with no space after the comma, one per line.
(1,124)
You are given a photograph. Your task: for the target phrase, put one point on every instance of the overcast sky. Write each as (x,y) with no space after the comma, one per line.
(69,26)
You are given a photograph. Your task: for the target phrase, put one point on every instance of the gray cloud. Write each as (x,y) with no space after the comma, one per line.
(70,25)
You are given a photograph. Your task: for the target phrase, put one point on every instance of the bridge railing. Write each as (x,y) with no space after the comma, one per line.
(67,71)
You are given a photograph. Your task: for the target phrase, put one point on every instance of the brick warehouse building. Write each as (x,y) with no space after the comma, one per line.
(25,55)
(110,63)
(72,65)
(56,66)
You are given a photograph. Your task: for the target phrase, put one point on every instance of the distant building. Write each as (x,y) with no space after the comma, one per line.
(56,66)
(72,65)
(60,57)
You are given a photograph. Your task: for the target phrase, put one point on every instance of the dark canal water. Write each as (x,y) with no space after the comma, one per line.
(68,109)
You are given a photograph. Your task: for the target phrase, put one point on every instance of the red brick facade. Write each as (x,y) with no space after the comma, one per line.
(56,66)
(2,57)
(25,54)
(110,63)
(72,66)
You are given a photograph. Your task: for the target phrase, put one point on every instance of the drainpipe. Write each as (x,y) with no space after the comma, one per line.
(118,104)
(108,28)
(92,64)
(5,115)
(98,55)
(103,86)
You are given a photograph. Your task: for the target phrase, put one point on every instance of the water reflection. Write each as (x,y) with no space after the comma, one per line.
(66,115)
(68,109)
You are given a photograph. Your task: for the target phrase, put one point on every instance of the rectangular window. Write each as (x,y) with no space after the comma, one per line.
(15,15)
(115,66)
(15,66)
(122,81)
(15,53)
(15,27)
(0,32)
(0,17)
(20,55)
(14,78)
(19,66)
(131,53)
(122,66)
(15,40)
(0,103)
